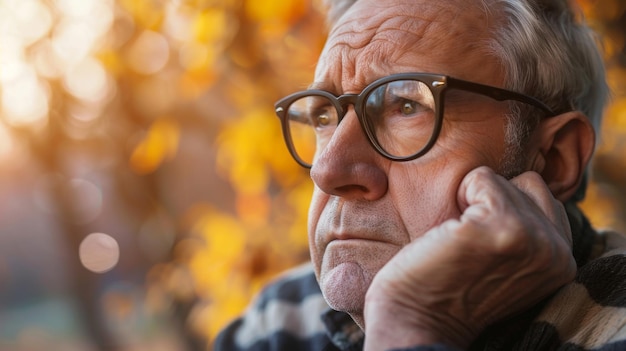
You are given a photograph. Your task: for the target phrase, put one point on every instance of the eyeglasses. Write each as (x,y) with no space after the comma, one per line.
(401,114)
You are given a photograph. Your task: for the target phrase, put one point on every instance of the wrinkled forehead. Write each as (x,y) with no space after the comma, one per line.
(376,37)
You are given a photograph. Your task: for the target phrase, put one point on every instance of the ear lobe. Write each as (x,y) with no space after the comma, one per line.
(566,144)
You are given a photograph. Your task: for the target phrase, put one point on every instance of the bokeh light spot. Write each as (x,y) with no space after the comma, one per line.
(46,60)
(87,81)
(99,252)
(25,100)
(178,24)
(28,20)
(73,40)
(12,64)
(195,57)
(76,8)
(149,53)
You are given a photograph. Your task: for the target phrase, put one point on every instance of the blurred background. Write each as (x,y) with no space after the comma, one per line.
(145,191)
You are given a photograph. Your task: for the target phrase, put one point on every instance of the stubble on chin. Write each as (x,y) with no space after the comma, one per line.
(352,241)
(347,270)
(344,287)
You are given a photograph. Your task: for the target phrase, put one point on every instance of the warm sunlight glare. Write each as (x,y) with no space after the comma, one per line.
(24,97)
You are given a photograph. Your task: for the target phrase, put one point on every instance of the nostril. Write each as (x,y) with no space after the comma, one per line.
(352,188)
(359,179)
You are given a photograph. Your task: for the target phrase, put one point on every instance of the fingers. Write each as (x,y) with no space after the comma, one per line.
(483,193)
(533,186)
(483,186)
(507,251)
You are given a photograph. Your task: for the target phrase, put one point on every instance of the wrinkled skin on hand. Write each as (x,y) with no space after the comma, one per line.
(510,248)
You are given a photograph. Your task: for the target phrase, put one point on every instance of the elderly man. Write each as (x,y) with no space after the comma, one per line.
(448,142)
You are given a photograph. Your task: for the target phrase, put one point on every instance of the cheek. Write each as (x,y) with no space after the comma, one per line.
(477,142)
(425,190)
(425,197)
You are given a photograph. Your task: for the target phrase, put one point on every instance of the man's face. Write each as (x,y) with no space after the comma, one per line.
(365,208)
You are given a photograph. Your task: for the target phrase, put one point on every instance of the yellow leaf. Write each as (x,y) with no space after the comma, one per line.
(284,12)
(159,144)
(214,26)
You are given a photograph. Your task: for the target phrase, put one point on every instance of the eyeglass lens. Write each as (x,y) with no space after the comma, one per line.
(400,115)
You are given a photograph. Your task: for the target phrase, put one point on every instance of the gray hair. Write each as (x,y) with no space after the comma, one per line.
(550,53)
(547,51)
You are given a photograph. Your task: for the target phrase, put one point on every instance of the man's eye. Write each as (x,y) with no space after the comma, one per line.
(323,120)
(323,117)
(409,107)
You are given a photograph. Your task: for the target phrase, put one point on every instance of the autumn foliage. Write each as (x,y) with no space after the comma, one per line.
(167,108)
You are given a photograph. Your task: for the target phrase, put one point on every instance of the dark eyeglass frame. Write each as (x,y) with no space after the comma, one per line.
(438,85)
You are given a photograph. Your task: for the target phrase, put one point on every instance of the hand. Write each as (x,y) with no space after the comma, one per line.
(510,248)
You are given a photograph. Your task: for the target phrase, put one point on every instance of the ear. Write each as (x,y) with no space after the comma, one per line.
(563,146)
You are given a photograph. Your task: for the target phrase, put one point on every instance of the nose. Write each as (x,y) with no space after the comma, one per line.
(348,166)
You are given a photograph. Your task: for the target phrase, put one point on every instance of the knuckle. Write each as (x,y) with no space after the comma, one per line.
(512,241)
(481,173)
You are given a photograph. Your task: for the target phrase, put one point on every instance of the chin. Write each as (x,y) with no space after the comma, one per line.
(345,299)
(344,287)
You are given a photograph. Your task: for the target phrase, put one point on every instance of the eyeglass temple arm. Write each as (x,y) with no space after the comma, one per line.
(498,93)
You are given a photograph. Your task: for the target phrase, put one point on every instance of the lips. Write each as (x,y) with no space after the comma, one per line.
(342,220)
(362,235)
